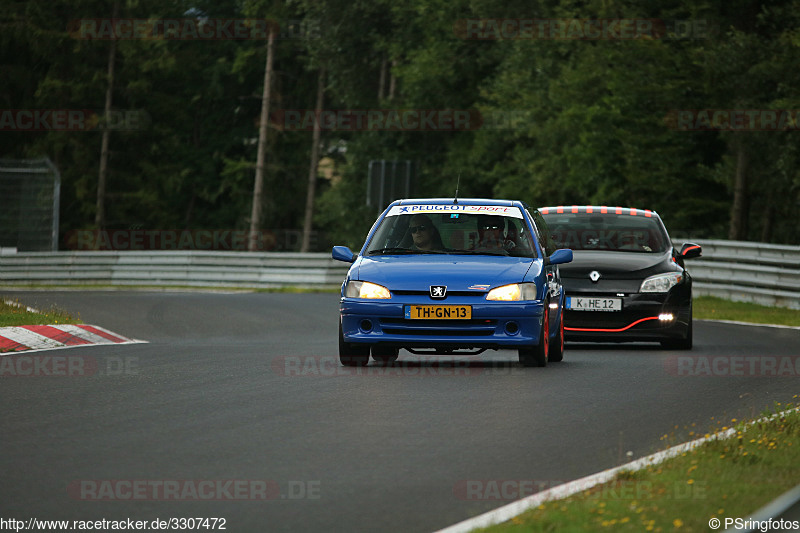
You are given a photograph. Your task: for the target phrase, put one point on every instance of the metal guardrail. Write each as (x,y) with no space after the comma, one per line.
(767,274)
(785,507)
(172,268)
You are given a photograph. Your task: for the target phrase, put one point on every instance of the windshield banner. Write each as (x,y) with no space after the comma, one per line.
(501,210)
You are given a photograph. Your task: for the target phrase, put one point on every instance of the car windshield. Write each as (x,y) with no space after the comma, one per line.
(435,232)
(608,232)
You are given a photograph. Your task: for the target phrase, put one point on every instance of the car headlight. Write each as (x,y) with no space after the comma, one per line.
(513,293)
(661,282)
(365,289)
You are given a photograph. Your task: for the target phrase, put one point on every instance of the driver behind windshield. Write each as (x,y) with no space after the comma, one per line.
(424,234)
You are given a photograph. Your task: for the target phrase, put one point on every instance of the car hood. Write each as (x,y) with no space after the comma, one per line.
(419,272)
(617,265)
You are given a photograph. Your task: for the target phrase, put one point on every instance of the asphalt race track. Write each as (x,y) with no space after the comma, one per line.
(240,398)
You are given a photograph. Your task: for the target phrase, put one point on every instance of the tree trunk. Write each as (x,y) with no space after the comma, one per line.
(392,81)
(258,187)
(312,168)
(187,221)
(100,210)
(382,81)
(738,221)
(768,218)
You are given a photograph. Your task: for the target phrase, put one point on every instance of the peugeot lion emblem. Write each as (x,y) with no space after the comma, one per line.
(594,275)
(438,291)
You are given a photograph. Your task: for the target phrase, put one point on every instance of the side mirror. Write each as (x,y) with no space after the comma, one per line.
(690,250)
(343,253)
(560,256)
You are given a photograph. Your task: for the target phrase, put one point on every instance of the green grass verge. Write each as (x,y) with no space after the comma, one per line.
(713,308)
(16,314)
(723,478)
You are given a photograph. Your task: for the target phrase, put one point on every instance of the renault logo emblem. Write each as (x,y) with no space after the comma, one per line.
(594,275)
(438,292)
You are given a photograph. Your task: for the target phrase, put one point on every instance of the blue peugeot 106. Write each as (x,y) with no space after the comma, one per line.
(453,277)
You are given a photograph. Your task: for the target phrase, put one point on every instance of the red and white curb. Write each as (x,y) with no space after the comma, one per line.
(16,339)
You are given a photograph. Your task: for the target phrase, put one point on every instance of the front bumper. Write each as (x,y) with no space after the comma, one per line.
(644,317)
(494,325)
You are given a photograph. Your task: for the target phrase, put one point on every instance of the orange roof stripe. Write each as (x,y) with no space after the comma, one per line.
(632,211)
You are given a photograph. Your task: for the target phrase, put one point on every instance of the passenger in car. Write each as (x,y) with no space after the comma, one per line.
(491,233)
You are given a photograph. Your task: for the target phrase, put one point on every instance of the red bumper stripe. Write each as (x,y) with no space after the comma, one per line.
(629,326)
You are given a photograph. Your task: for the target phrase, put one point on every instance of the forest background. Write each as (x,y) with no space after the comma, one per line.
(688,108)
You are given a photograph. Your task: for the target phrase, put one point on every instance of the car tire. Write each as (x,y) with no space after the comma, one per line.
(385,356)
(684,343)
(352,354)
(537,355)
(556,352)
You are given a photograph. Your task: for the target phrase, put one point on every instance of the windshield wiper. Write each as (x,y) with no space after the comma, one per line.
(384,251)
(391,251)
(479,252)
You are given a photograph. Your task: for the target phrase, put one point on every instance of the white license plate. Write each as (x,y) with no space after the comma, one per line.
(594,304)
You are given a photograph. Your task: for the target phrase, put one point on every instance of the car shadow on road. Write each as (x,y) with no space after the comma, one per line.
(610,346)
(458,366)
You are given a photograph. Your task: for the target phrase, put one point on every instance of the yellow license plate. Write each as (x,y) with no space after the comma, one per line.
(439,312)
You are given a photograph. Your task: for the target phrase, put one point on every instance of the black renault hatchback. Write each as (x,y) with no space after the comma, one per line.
(626,282)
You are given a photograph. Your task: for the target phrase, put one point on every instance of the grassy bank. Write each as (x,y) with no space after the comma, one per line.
(15,314)
(723,478)
(712,308)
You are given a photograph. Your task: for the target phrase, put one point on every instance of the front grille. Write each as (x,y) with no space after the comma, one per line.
(441,323)
(460,328)
(467,294)
(603,286)
(440,332)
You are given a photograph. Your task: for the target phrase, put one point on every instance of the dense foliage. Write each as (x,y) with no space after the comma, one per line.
(566,120)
